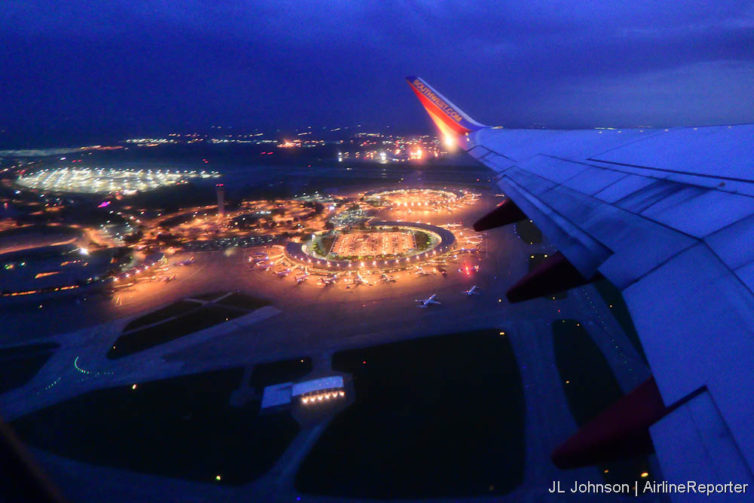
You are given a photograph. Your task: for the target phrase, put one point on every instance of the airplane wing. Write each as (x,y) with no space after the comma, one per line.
(667,215)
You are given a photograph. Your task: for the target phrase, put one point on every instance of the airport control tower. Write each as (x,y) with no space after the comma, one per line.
(220,200)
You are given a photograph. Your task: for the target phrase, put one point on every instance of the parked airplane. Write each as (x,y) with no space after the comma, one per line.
(425,303)
(329,280)
(283,273)
(471,291)
(359,280)
(302,277)
(420,271)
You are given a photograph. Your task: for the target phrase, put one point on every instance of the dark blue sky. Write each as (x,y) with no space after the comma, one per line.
(79,70)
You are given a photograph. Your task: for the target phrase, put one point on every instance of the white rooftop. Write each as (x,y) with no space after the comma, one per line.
(331,382)
(276,395)
(281,394)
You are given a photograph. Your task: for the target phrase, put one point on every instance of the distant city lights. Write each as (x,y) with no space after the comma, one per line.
(107,180)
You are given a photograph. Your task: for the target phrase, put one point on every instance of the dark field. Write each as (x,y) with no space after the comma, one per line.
(534,260)
(267,374)
(242,301)
(208,295)
(435,417)
(181,427)
(181,318)
(590,387)
(139,340)
(19,364)
(528,232)
(170,311)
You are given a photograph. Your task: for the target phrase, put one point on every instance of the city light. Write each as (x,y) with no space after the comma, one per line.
(107,180)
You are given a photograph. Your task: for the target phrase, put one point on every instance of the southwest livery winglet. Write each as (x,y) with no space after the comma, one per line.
(450,119)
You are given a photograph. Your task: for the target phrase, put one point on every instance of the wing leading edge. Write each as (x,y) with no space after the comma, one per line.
(667,215)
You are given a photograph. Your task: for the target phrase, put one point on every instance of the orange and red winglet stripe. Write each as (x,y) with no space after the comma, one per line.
(436,113)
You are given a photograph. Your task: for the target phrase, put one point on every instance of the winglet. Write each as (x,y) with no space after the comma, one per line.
(450,119)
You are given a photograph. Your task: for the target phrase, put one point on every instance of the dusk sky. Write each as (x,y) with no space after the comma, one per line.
(86,70)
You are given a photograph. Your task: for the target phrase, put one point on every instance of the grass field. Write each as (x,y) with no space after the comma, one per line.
(181,427)
(323,245)
(434,417)
(423,240)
